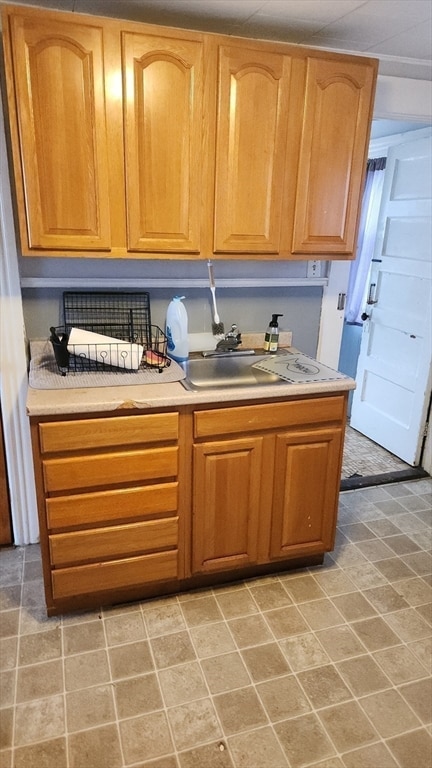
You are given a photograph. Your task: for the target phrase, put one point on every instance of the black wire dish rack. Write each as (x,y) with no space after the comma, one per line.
(123,317)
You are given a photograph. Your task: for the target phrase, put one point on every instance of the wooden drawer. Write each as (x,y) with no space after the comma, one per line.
(251,418)
(115,541)
(109,469)
(107,432)
(117,574)
(111,506)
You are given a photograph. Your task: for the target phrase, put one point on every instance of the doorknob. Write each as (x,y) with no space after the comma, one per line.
(365,316)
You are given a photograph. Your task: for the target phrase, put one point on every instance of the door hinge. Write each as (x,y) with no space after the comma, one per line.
(426,429)
(341,301)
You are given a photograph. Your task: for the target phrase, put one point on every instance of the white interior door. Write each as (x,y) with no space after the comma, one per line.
(394,368)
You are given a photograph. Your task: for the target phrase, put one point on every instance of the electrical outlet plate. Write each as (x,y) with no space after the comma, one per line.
(314,269)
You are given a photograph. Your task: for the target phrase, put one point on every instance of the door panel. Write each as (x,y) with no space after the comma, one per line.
(394,368)
(251,149)
(305,492)
(163,130)
(227,480)
(58,69)
(332,156)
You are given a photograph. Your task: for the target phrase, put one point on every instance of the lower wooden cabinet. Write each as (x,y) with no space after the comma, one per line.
(273,494)
(132,506)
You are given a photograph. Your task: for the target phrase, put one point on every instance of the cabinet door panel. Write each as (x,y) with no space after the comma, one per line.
(58,69)
(163,127)
(227,479)
(251,148)
(307,471)
(338,107)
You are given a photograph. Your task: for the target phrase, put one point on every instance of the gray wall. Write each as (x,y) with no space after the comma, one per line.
(249,307)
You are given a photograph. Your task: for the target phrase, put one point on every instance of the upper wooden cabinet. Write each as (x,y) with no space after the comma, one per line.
(252,121)
(131,140)
(62,149)
(337,114)
(163,118)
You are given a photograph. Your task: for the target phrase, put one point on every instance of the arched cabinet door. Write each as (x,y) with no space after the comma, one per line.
(163,132)
(251,136)
(63,178)
(333,153)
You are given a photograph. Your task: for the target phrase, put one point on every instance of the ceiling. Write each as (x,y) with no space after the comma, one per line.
(398,32)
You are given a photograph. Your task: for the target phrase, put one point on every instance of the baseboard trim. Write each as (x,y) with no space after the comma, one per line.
(400,476)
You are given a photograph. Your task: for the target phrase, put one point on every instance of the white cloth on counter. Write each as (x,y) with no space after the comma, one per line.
(104,349)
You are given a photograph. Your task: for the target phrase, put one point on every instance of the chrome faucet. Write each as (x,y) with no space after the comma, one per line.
(231,340)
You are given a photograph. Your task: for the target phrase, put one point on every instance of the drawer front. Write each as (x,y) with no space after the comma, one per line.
(109,469)
(118,540)
(104,433)
(111,506)
(99,577)
(251,418)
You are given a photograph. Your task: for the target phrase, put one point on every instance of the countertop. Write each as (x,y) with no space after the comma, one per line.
(49,402)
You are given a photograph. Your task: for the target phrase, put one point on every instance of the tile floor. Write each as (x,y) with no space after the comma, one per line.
(364,457)
(327,667)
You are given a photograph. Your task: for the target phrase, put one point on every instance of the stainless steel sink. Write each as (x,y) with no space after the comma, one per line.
(225,372)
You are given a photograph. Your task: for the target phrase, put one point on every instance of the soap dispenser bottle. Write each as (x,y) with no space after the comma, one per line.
(271,339)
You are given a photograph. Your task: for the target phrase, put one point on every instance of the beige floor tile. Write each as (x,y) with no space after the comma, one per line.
(49,754)
(365,575)
(303,651)
(211,640)
(304,740)
(7,687)
(203,610)
(321,614)
(389,713)
(402,544)
(225,672)
(340,642)
(125,628)
(324,686)
(383,528)
(394,569)
(374,756)
(363,675)
(89,707)
(419,696)
(9,624)
(250,630)
(257,749)
(399,664)
(335,582)
(353,606)
(131,659)
(358,532)
(419,562)
(39,720)
(161,618)
(303,588)
(138,695)
(285,622)
(39,680)
(236,603)
(375,633)
(213,755)
(271,595)
(283,698)
(86,669)
(347,726)
(40,646)
(385,599)
(240,710)
(79,638)
(194,723)
(425,612)
(10,597)
(175,648)
(6,728)
(409,625)
(412,750)
(182,684)
(374,550)
(145,737)
(422,649)
(265,661)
